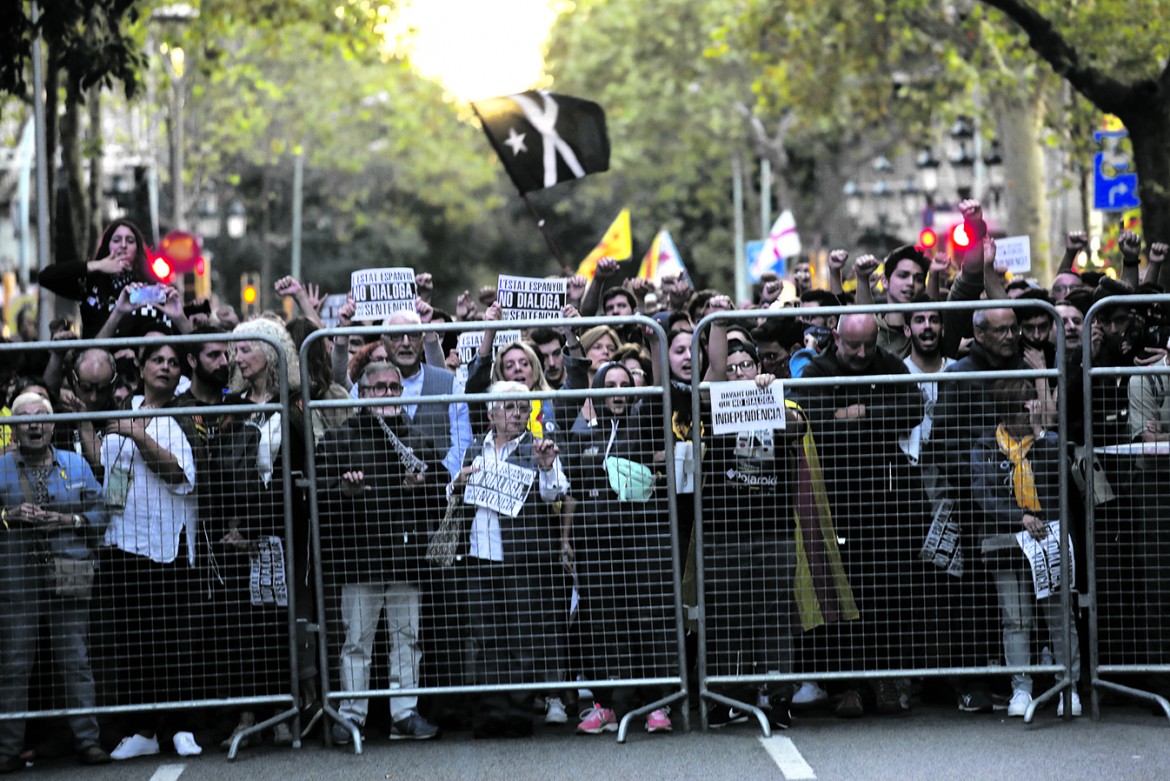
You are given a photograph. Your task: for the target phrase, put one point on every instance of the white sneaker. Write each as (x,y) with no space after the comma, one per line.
(554,711)
(185,745)
(1019,703)
(1076,705)
(135,746)
(809,693)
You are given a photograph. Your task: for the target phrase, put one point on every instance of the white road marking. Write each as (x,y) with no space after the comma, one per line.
(788,758)
(168,773)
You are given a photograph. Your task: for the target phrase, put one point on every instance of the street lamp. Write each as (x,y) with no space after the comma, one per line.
(175,61)
(962,155)
(927,165)
(995,179)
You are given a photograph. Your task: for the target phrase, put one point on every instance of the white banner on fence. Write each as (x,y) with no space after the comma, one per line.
(742,406)
(1044,557)
(1014,254)
(380,292)
(531,298)
(503,487)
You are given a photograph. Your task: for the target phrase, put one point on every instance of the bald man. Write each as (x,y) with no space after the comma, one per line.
(878,505)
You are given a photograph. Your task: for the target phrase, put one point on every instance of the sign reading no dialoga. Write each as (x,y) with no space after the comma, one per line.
(531,298)
(380,292)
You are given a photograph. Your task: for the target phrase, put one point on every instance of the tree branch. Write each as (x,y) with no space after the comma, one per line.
(1107,93)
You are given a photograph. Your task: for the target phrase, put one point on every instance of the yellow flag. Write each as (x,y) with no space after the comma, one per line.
(616,245)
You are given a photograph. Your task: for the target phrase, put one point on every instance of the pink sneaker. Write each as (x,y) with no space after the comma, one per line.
(597,720)
(659,721)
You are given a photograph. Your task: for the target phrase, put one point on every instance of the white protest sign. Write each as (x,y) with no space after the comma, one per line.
(1044,558)
(469,341)
(531,298)
(1014,254)
(742,406)
(330,308)
(503,487)
(380,292)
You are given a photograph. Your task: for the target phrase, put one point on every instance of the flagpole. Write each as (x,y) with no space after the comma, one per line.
(552,245)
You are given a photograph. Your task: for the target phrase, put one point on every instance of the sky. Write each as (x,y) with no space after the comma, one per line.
(476,48)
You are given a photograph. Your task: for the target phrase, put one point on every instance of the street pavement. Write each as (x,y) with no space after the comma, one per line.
(931,743)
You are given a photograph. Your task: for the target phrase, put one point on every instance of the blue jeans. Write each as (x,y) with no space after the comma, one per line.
(19,632)
(1017,607)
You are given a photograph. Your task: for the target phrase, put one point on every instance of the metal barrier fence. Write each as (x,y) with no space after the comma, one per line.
(822,552)
(874,538)
(158,552)
(558,576)
(1127,420)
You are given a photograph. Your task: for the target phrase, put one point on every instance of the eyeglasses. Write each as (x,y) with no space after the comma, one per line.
(1001,331)
(93,387)
(398,337)
(742,367)
(520,407)
(382,388)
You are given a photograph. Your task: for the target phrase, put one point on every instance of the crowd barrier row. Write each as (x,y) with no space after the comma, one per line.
(838,553)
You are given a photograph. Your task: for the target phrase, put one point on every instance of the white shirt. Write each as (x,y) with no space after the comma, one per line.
(486,539)
(155,512)
(912,443)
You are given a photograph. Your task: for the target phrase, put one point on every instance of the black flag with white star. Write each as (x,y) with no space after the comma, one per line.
(543,138)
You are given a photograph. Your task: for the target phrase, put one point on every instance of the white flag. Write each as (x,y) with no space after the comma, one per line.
(782,242)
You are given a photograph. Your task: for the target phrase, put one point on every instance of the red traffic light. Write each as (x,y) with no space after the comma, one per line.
(960,239)
(160,269)
(927,239)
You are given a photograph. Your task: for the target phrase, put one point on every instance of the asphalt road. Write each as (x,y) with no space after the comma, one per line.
(932,743)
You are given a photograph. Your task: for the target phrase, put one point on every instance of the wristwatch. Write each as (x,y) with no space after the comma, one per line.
(78,522)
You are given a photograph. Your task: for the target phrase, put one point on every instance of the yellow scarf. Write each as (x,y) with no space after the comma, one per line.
(535,424)
(1022,478)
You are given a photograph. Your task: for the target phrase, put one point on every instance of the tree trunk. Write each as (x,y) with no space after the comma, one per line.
(72,219)
(1020,123)
(1149,132)
(93,225)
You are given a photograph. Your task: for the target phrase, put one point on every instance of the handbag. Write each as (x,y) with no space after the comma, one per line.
(444,543)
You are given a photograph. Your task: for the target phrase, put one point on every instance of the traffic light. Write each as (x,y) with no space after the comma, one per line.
(249,294)
(180,261)
(927,239)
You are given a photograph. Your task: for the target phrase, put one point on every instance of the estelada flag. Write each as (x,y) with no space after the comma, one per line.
(543,138)
(662,259)
(616,244)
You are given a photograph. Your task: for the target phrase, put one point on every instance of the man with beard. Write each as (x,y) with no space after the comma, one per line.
(550,343)
(877,503)
(924,330)
(904,278)
(446,426)
(380,488)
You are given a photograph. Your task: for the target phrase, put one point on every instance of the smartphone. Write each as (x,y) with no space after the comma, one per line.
(150,294)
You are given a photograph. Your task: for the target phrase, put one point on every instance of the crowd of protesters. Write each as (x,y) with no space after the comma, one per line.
(519,540)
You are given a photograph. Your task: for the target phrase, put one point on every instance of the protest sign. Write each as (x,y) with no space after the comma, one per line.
(742,406)
(469,341)
(330,308)
(380,292)
(1014,254)
(531,298)
(502,487)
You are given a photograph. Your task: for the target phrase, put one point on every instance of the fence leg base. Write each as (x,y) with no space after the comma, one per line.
(1139,694)
(1056,690)
(258,728)
(624,727)
(355,732)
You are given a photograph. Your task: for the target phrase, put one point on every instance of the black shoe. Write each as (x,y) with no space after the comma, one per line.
(93,755)
(413,727)
(341,734)
(11,764)
(889,699)
(849,706)
(779,715)
(975,701)
(719,716)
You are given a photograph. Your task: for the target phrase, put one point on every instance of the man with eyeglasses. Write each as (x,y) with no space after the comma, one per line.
(448,426)
(380,487)
(91,383)
(963,414)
